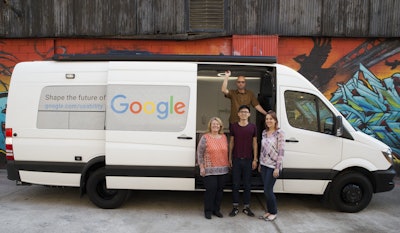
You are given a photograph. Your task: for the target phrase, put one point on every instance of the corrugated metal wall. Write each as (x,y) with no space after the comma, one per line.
(346,18)
(300,14)
(173,19)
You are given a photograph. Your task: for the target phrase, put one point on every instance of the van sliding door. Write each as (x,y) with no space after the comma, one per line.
(150,125)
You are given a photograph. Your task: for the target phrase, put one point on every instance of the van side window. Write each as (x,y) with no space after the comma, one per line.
(72,107)
(306,111)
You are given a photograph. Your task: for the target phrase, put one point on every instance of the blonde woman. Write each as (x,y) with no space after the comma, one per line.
(212,156)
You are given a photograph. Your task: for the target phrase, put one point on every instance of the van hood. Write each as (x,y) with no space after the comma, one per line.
(369,141)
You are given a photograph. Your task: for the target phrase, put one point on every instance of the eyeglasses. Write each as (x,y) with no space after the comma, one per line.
(240,81)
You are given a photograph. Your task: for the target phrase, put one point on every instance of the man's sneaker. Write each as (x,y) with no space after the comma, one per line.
(247,211)
(234,212)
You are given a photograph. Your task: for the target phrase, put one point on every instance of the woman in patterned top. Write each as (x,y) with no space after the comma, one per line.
(212,156)
(271,155)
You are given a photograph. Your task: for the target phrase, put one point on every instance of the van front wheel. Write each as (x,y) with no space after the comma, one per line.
(351,192)
(100,195)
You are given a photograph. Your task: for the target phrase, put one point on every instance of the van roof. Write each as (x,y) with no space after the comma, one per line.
(162,57)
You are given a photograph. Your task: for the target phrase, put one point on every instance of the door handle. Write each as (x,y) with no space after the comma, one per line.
(292,140)
(185,137)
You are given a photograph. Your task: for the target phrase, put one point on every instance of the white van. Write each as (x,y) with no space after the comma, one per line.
(109,124)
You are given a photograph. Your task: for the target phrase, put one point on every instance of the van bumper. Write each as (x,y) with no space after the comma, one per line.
(384,180)
(12,171)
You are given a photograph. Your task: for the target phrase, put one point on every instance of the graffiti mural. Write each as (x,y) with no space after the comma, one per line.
(7,62)
(311,66)
(372,105)
(360,77)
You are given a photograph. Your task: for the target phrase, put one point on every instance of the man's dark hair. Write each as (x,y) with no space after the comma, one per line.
(244,106)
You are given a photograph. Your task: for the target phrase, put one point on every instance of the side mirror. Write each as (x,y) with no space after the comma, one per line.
(338,126)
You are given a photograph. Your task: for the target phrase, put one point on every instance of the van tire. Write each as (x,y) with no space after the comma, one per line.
(351,192)
(100,195)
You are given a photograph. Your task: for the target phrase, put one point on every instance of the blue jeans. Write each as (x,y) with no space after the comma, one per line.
(269,182)
(241,171)
(214,185)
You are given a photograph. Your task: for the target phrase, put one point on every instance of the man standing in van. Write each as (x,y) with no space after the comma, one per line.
(242,158)
(240,96)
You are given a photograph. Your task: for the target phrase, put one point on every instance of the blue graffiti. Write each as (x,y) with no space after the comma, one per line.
(3,106)
(372,105)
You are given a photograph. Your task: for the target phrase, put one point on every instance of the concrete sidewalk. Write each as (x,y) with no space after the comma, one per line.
(54,209)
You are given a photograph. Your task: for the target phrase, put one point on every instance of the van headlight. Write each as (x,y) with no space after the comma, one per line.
(388,155)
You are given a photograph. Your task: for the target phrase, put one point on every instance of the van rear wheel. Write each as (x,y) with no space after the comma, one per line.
(100,195)
(351,192)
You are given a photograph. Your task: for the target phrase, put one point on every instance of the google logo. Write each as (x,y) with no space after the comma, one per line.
(162,109)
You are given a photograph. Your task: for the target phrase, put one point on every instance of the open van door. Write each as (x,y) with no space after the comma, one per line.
(151,125)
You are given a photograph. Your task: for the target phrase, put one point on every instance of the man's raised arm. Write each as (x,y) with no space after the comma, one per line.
(224,87)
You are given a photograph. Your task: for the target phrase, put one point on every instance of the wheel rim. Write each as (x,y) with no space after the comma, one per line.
(352,193)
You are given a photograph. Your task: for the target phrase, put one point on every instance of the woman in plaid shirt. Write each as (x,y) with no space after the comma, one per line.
(271,155)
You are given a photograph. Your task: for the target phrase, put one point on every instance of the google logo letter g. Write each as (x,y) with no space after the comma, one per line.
(162,109)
